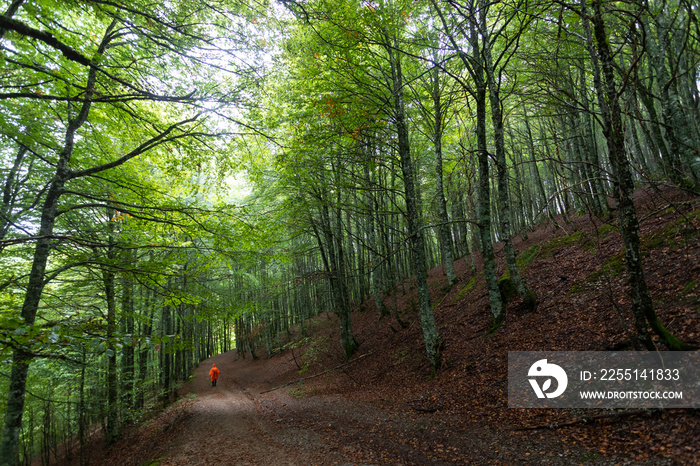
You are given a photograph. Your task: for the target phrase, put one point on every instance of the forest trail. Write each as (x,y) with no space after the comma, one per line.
(241,422)
(225,425)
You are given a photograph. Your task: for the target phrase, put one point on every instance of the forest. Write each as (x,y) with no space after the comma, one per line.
(184,178)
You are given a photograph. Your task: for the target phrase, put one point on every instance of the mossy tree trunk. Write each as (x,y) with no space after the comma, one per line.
(477,88)
(623,184)
(445,230)
(528,296)
(431,338)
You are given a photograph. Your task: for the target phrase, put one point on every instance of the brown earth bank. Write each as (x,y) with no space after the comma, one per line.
(306,405)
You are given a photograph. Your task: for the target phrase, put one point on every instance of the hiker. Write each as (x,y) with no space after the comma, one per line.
(213,374)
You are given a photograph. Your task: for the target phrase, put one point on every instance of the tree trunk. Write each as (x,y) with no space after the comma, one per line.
(347,338)
(112,433)
(483,196)
(376,266)
(166,357)
(528,296)
(642,306)
(445,230)
(535,173)
(128,351)
(147,329)
(431,338)
(331,252)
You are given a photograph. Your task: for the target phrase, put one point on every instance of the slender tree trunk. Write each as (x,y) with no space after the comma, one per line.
(528,296)
(535,172)
(112,433)
(431,338)
(82,421)
(331,251)
(483,196)
(642,306)
(347,338)
(445,230)
(376,266)
(128,351)
(147,329)
(166,357)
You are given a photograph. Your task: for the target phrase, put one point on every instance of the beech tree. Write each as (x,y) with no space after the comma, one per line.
(365,97)
(476,86)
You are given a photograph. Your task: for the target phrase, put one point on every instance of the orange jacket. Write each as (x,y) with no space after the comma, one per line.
(214,372)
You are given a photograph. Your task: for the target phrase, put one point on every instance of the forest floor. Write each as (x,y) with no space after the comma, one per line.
(305,405)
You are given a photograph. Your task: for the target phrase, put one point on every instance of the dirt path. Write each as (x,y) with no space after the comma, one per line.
(240,423)
(227,424)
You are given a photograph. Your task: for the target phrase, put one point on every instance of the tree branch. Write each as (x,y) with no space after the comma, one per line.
(46,37)
(153,142)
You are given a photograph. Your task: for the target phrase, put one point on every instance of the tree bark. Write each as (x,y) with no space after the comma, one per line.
(642,306)
(128,351)
(431,338)
(112,433)
(528,296)
(444,229)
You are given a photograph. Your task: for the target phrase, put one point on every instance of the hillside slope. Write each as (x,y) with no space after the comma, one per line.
(577,271)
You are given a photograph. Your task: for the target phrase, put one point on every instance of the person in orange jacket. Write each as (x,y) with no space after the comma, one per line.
(214,374)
